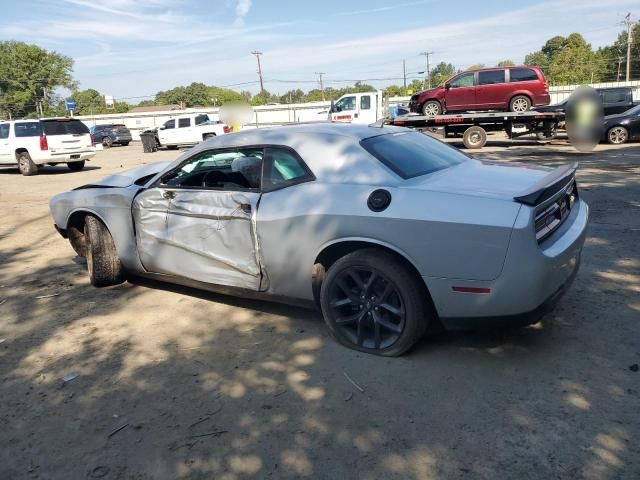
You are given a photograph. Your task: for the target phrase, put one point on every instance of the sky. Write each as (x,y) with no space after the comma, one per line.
(132,48)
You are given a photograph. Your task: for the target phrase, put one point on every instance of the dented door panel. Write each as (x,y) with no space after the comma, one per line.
(211,238)
(149,210)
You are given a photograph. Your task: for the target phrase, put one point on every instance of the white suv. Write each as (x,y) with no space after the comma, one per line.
(189,130)
(31,143)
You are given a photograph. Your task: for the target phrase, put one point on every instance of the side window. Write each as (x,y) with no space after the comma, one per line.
(169,124)
(465,80)
(238,169)
(522,75)
(4,131)
(200,119)
(365,102)
(27,129)
(614,97)
(346,103)
(184,122)
(283,167)
(491,77)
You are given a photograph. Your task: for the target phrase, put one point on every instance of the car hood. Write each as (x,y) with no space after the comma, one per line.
(430,91)
(482,178)
(128,177)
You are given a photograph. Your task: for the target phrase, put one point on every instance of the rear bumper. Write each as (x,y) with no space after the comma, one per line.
(532,280)
(515,320)
(63,157)
(541,99)
(122,139)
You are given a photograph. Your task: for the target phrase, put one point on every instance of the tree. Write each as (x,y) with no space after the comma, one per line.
(395,91)
(292,96)
(27,74)
(415,86)
(505,63)
(441,73)
(614,57)
(569,60)
(477,66)
(88,102)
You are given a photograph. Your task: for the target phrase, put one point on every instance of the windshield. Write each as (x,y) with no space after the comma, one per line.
(410,154)
(633,111)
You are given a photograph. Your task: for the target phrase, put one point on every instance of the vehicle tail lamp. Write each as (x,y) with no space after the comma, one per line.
(226,129)
(44,145)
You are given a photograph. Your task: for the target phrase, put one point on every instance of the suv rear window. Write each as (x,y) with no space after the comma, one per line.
(64,127)
(410,154)
(522,75)
(27,129)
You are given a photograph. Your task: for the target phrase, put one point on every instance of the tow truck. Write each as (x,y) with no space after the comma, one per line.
(473,126)
(372,107)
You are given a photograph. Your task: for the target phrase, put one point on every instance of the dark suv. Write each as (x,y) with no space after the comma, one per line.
(111,134)
(516,89)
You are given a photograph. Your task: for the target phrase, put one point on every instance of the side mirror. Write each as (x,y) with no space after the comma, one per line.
(447,86)
(161,127)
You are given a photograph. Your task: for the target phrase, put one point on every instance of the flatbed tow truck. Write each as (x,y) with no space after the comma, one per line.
(473,126)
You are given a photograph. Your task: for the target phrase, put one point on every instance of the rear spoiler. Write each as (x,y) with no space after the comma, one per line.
(549,185)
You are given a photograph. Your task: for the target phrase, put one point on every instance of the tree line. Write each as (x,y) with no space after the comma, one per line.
(31,77)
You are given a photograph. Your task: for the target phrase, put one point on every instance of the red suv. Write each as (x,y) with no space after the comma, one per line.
(516,89)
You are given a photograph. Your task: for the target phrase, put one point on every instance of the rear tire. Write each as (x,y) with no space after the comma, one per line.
(618,135)
(103,262)
(474,137)
(359,311)
(107,142)
(124,144)
(520,104)
(431,108)
(26,165)
(76,166)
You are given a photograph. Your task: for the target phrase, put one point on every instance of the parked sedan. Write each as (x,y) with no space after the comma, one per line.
(386,229)
(621,128)
(111,134)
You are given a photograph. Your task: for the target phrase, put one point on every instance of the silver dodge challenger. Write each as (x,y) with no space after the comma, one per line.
(385,229)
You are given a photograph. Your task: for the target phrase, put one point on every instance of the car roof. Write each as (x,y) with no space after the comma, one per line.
(331,150)
(357,132)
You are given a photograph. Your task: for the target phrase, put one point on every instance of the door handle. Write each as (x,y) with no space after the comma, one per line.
(169,194)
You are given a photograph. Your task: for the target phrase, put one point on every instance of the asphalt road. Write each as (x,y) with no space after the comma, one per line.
(167,382)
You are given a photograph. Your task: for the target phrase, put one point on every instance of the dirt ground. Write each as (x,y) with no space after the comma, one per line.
(176,383)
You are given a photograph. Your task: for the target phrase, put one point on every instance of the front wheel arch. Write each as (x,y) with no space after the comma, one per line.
(75,229)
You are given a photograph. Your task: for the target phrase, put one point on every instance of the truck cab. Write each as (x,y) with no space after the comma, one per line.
(363,108)
(189,130)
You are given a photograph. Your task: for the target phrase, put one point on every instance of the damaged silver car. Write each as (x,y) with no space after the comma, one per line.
(385,229)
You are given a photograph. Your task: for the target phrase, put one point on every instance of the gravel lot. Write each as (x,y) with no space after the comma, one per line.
(177,383)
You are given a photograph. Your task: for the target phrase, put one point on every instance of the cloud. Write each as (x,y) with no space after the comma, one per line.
(242,9)
(382,9)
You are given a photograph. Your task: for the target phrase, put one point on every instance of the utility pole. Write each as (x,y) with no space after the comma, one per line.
(426,54)
(321,84)
(629,23)
(404,75)
(258,54)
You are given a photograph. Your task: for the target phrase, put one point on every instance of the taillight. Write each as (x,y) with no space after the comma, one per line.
(93,142)
(44,145)
(226,129)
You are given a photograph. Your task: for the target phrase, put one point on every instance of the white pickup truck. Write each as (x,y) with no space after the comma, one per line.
(32,143)
(364,108)
(189,130)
